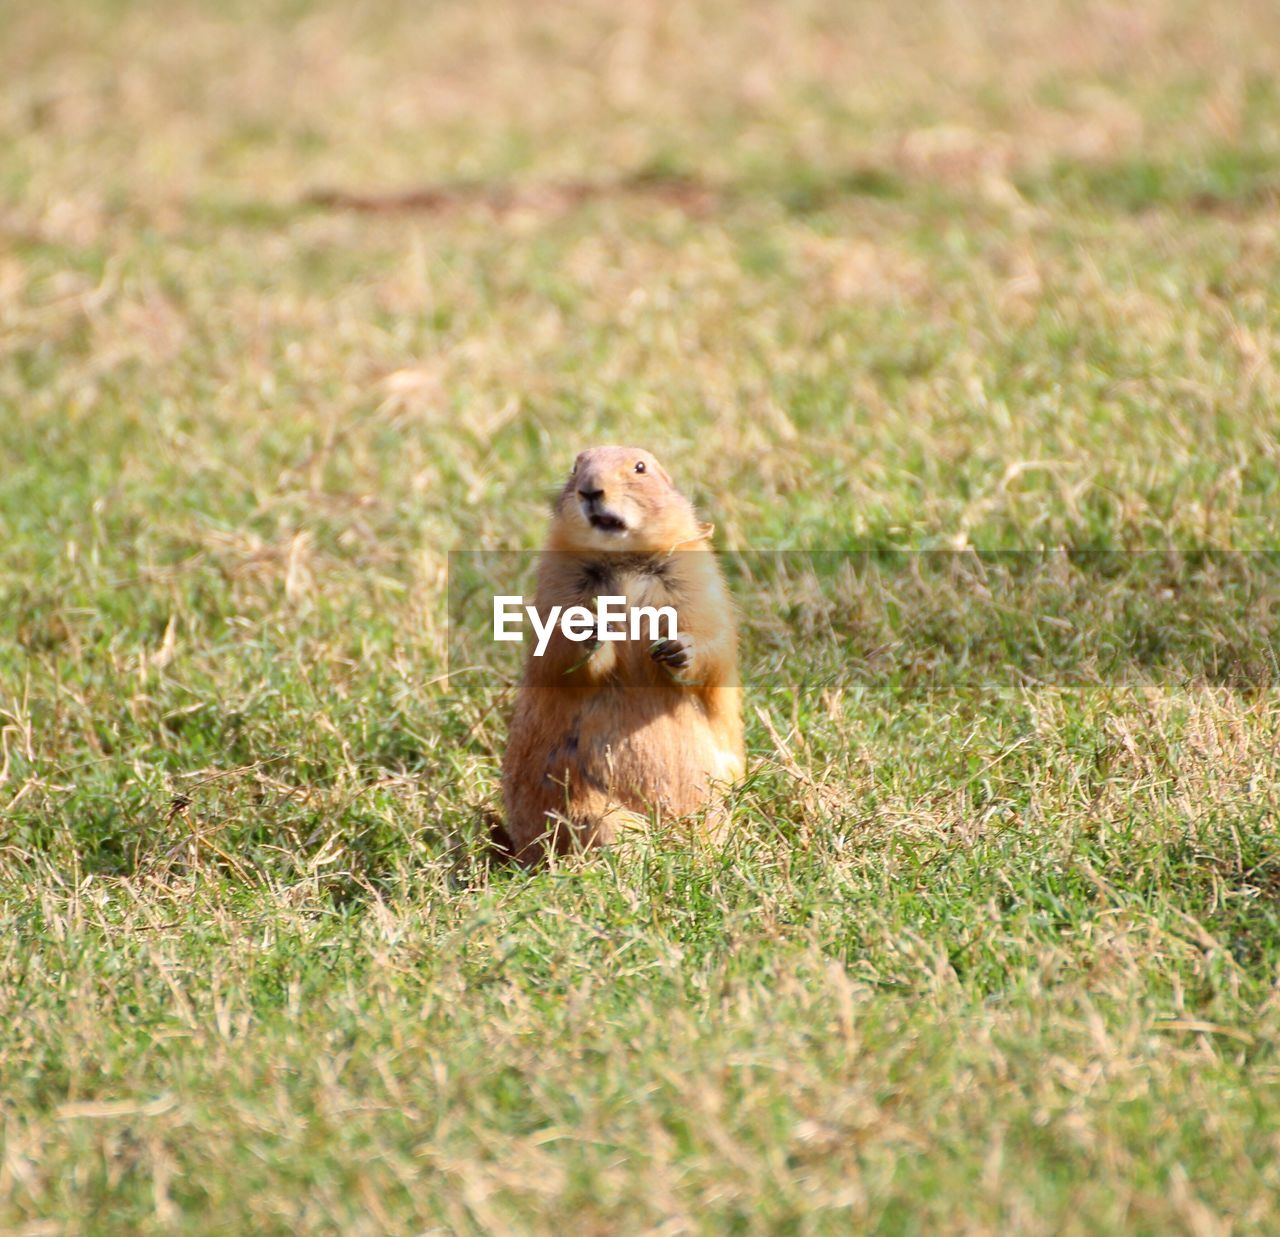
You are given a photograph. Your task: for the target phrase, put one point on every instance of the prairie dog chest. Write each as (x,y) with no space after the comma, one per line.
(642,581)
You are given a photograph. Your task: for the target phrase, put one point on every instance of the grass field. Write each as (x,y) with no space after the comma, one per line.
(994,945)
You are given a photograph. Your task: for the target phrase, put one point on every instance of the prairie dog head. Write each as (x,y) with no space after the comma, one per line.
(621,498)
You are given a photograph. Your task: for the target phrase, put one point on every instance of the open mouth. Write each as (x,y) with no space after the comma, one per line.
(607,523)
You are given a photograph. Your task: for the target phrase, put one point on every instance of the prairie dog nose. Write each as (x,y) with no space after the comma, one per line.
(589,493)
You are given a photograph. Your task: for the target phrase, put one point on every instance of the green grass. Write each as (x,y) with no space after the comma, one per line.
(994,942)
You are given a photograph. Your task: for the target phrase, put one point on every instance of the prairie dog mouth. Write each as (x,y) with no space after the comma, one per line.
(607,523)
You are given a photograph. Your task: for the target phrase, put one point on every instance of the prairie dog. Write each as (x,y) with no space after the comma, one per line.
(605,731)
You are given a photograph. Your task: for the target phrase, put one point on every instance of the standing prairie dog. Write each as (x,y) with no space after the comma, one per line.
(606,731)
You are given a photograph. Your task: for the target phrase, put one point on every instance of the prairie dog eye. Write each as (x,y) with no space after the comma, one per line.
(640,466)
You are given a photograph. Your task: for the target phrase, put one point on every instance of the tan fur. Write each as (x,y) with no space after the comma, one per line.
(605,734)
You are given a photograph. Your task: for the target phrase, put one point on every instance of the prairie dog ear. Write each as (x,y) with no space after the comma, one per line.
(666,476)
